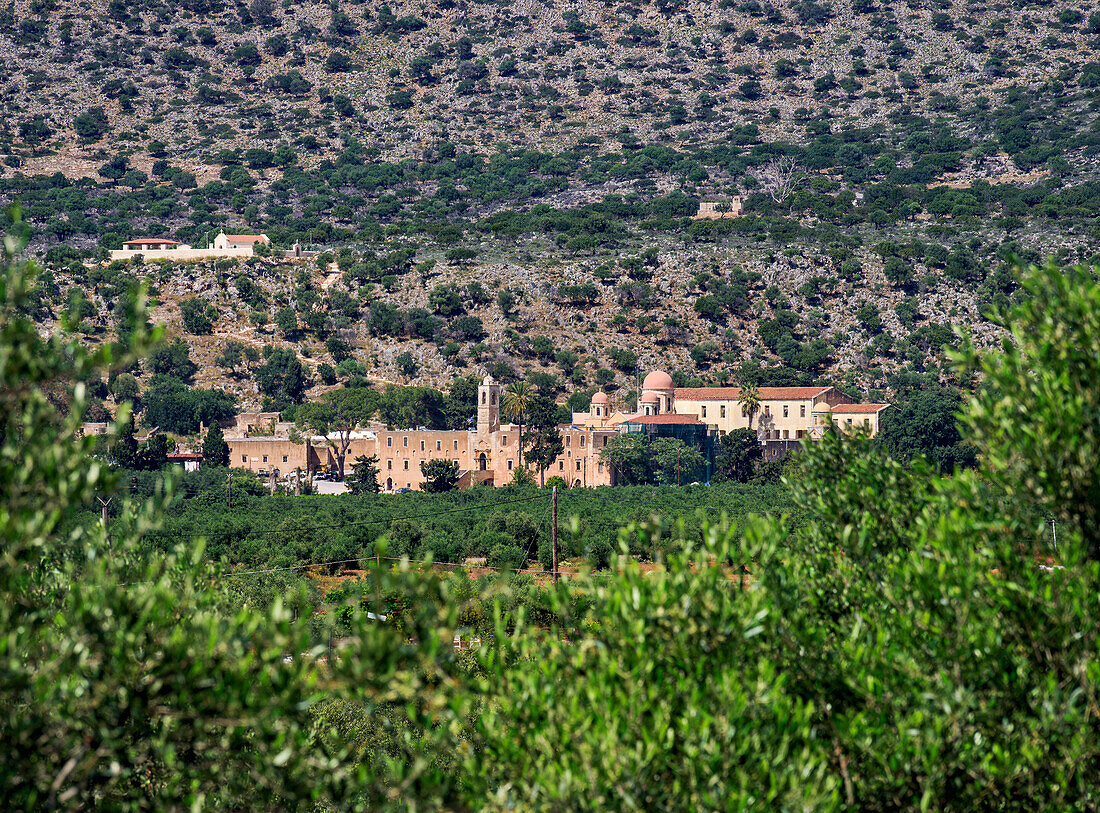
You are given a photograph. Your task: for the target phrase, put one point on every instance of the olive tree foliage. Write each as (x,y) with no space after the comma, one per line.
(901,646)
(905,647)
(1037,417)
(134,682)
(676,728)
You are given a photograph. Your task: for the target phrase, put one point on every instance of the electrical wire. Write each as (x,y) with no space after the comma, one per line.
(389,520)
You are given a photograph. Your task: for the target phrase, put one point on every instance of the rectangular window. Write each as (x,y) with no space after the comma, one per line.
(561,465)
(439,446)
(568,441)
(509,465)
(702,412)
(767,409)
(582,441)
(802,411)
(849,421)
(578,465)
(503,440)
(389,465)
(244,458)
(405,441)
(599,467)
(867,423)
(265,458)
(284,458)
(406,465)
(605,440)
(786,410)
(722,412)
(786,434)
(456,445)
(421,445)
(800,434)
(389,442)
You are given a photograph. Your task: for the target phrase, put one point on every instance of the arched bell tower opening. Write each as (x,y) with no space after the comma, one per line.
(599,409)
(488,407)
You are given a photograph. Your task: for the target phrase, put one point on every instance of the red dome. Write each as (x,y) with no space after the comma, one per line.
(657,380)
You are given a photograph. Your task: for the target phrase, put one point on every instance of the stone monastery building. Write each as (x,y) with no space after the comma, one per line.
(488,452)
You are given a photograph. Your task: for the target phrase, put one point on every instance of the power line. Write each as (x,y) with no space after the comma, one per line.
(386,520)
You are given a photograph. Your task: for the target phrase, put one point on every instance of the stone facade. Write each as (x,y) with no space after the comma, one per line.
(719,209)
(785,413)
(488,453)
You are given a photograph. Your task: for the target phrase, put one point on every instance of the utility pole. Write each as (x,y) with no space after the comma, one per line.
(1053,530)
(554,533)
(229,490)
(103,504)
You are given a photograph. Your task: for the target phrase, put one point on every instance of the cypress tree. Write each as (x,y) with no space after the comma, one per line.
(215,451)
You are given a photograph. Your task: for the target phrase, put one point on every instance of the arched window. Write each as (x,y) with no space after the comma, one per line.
(482,462)
(389,484)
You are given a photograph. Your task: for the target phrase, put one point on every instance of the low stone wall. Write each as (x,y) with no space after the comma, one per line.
(183,254)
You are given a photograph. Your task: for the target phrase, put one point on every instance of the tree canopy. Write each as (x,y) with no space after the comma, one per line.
(905,643)
(336,417)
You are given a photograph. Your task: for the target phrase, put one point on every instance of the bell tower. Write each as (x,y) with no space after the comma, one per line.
(488,407)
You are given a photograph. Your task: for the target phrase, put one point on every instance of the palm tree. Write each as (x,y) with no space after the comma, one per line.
(515,401)
(749,399)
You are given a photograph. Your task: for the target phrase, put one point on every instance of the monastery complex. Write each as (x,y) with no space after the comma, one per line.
(489,452)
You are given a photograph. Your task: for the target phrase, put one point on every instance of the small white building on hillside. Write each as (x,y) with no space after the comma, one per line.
(238,242)
(160,248)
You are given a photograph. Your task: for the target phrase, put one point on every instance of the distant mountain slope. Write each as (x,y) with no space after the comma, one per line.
(891,158)
(202,76)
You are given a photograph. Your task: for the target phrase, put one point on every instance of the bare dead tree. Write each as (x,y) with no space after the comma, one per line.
(779,177)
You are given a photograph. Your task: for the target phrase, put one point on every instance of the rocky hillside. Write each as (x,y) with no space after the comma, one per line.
(513,186)
(204,76)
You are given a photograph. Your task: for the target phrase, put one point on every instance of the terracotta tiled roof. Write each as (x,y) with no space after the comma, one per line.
(840,409)
(144,240)
(731,393)
(244,238)
(662,419)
